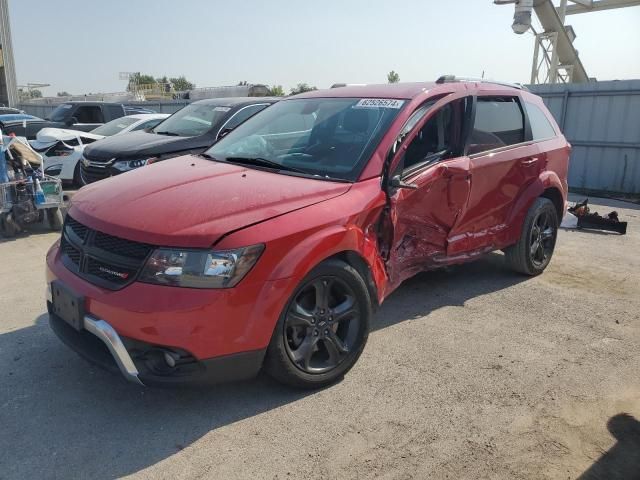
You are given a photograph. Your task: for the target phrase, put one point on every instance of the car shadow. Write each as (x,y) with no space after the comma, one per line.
(63,418)
(450,286)
(622,461)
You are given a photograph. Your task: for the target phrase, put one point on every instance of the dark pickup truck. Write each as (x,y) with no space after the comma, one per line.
(84,116)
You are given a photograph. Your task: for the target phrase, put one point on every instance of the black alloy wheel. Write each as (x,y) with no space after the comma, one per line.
(543,239)
(322,329)
(322,325)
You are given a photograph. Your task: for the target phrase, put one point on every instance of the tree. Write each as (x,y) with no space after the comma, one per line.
(393,77)
(36,93)
(64,93)
(301,88)
(139,79)
(181,83)
(276,91)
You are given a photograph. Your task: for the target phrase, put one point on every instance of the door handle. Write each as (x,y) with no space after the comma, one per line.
(529,161)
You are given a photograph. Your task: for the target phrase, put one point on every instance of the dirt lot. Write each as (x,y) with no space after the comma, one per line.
(471,373)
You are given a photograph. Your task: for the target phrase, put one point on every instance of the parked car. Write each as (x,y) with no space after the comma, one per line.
(275,246)
(62,149)
(192,129)
(12,122)
(83,116)
(6,110)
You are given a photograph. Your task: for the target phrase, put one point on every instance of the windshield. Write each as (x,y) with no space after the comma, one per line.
(192,120)
(114,126)
(60,112)
(324,137)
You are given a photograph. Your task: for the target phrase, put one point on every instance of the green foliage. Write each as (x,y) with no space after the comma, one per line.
(28,94)
(64,93)
(276,91)
(301,88)
(393,77)
(181,83)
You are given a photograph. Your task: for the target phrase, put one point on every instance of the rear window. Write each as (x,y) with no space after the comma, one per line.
(193,120)
(499,123)
(61,112)
(114,126)
(541,127)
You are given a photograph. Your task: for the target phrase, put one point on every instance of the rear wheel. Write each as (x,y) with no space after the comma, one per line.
(534,249)
(8,227)
(77,176)
(54,218)
(323,329)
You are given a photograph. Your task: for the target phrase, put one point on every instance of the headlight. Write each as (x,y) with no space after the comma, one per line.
(200,268)
(126,165)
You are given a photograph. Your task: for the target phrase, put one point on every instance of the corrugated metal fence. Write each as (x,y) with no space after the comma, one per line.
(602,122)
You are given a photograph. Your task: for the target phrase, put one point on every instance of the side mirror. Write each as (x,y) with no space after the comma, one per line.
(224,132)
(398,183)
(71,121)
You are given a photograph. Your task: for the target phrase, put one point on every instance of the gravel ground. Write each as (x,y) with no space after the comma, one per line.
(473,372)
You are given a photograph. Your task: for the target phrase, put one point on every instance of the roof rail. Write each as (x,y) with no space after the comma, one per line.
(453,78)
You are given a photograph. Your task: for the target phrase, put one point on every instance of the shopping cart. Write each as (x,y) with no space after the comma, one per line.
(32,197)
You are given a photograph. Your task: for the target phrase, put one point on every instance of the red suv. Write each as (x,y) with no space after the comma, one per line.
(274,248)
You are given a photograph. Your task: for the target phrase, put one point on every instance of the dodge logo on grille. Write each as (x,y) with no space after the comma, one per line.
(122,275)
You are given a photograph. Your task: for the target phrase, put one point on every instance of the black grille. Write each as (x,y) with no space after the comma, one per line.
(121,246)
(80,230)
(102,259)
(93,174)
(70,251)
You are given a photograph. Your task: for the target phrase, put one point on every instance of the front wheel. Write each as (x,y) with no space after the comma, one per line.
(323,329)
(534,249)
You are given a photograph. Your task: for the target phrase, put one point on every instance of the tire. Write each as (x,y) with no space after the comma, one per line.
(335,335)
(533,252)
(8,227)
(77,176)
(55,220)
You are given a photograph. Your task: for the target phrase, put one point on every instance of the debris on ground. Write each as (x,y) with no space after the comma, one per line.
(593,220)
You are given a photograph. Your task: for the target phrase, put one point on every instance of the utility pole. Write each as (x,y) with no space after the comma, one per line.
(8,83)
(555,59)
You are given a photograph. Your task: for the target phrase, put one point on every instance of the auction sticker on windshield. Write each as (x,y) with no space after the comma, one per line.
(379,103)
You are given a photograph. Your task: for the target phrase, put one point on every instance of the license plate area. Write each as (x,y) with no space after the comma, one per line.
(67,305)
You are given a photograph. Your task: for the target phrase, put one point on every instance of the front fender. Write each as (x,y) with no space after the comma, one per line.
(328,243)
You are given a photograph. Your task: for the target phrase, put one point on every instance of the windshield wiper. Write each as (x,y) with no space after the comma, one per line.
(171,134)
(263,162)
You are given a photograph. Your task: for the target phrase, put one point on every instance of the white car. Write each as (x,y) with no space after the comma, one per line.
(62,149)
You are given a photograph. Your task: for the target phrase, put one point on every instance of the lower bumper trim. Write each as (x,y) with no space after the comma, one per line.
(111,339)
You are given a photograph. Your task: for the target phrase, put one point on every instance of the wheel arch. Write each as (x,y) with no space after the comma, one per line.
(547,185)
(348,243)
(355,260)
(553,194)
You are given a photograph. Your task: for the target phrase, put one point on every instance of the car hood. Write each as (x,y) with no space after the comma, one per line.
(190,201)
(137,144)
(49,136)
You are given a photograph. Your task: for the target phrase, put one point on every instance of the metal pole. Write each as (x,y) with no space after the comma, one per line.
(553,67)
(562,10)
(534,67)
(8,66)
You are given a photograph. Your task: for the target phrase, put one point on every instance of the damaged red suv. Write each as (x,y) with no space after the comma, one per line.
(273,249)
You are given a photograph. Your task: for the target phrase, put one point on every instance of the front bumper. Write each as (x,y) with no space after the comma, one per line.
(101,345)
(218,335)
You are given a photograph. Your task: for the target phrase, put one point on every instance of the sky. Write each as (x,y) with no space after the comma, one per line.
(80,46)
